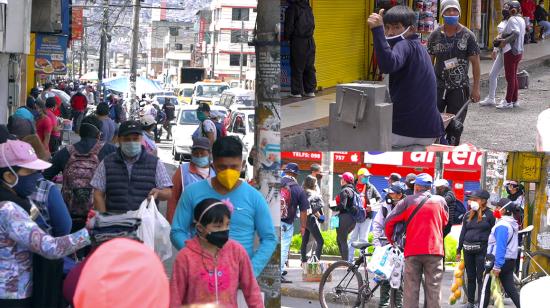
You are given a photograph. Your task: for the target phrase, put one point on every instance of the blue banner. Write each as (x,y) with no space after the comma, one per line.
(65,17)
(51,54)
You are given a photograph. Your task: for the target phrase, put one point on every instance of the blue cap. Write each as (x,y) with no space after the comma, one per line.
(423,179)
(24,113)
(292,167)
(394,188)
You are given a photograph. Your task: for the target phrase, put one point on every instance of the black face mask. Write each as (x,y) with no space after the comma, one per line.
(505,14)
(218,238)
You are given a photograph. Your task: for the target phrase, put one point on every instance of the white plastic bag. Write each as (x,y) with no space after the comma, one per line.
(381,263)
(154,230)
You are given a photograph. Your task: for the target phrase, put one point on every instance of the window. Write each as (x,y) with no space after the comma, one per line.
(236,36)
(234,60)
(240,14)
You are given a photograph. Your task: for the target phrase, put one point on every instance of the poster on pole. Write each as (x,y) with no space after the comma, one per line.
(51,54)
(77,23)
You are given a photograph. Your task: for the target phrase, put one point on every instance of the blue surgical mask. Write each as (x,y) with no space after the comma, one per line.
(131,149)
(201,162)
(365,180)
(450,20)
(26,185)
(392,40)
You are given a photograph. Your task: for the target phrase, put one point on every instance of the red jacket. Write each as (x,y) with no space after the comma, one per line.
(528,9)
(425,231)
(79,102)
(57,110)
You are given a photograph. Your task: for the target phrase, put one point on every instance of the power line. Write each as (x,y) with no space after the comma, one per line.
(143,7)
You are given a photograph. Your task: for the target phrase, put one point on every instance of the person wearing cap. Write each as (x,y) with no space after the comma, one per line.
(454,47)
(443,189)
(394,177)
(400,54)
(394,194)
(198,169)
(424,245)
(503,249)
(369,196)
(109,127)
(516,193)
(251,218)
(206,128)
(344,207)
(409,183)
(148,141)
(130,175)
(20,235)
(298,203)
(79,104)
(476,227)
(31,101)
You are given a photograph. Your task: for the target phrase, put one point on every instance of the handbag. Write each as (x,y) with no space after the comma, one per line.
(314,269)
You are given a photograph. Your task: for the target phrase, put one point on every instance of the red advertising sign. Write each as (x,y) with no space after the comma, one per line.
(77,23)
(347,157)
(202,26)
(313,156)
(459,160)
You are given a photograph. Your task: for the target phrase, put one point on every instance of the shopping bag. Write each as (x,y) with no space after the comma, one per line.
(334,222)
(162,244)
(146,231)
(398,260)
(381,263)
(314,269)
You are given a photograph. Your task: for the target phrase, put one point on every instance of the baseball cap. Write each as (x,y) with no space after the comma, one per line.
(148,120)
(315,167)
(394,188)
(394,177)
(201,143)
(348,177)
(423,179)
(441,182)
(23,113)
(509,204)
(204,107)
(363,171)
(292,168)
(129,127)
(20,127)
(480,194)
(410,178)
(21,154)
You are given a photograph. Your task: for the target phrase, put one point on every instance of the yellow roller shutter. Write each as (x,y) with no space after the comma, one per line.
(340,39)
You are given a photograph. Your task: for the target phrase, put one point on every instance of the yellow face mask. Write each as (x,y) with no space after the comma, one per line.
(228,178)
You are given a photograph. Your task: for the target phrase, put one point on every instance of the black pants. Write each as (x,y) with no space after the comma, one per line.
(302,64)
(506,277)
(475,265)
(16,303)
(77,120)
(47,290)
(55,143)
(450,101)
(312,229)
(345,227)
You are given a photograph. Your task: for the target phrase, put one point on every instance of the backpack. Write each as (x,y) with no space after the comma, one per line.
(358,211)
(315,204)
(113,113)
(460,210)
(78,173)
(286,199)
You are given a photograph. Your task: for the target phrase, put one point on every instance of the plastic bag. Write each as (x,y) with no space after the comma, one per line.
(382,262)
(163,247)
(334,222)
(154,230)
(314,269)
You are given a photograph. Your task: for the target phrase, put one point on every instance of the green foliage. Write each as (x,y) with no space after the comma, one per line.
(450,249)
(330,246)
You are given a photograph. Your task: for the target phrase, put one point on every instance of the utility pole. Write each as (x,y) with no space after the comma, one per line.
(213,53)
(327,166)
(438,166)
(134,109)
(85,44)
(267,123)
(241,56)
(103,46)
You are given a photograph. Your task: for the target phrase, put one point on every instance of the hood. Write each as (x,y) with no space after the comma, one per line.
(122,273)
(512,222)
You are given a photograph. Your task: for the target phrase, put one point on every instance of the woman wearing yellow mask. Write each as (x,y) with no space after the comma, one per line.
(251,213)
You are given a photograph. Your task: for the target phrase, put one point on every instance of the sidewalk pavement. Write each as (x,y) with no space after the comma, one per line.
(306,114)
(310,290)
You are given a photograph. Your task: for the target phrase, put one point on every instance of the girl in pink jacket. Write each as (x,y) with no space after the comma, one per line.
(211,267)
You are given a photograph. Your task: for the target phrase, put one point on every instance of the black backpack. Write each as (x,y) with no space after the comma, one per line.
(460,210)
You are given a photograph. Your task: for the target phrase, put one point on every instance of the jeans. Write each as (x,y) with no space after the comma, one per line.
(545,27)
(287,230)
(475,265)
(511,62)
(497,67)
(431,267)
(346,225)
(312,229)
(360,233)
(506,277)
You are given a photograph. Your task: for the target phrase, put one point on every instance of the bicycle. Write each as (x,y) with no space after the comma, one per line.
(352,290)
(529,273)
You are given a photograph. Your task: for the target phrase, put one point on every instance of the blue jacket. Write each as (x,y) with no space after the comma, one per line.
(251,216)
(503,240)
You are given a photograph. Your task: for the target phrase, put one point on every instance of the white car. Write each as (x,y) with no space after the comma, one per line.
(241,124)
(234,99)
(186,124)
(161,99)
(208,92)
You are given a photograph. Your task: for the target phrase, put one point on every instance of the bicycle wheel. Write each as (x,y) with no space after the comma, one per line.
(530,273)
(340,285)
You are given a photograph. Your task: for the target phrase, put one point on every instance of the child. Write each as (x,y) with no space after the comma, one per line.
(212,267)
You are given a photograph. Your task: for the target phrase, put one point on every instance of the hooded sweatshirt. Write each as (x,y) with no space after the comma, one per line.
(503,240)
(193,282)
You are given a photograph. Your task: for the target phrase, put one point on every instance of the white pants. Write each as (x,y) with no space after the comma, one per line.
(360,233)
(498,65)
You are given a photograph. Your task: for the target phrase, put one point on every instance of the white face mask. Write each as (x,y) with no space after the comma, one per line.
(474,205)
(392,40)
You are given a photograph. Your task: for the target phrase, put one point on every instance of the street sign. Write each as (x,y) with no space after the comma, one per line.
(347,157)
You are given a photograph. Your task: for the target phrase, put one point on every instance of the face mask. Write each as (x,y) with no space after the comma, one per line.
(474,206)
(497,214)
(218,238)
(365,180)
(228,178)
(505,14)
(450,20)
(392,40)
(26,185)
(389,200)
(201,116)
(200,161)
(131,149)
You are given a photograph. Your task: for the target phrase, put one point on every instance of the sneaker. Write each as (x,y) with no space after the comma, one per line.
(515,104)
(487,102)
(284,273)
(296,95)
(312,94)
(505,105)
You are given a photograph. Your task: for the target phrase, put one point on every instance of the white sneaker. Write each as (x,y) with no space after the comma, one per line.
(515,104)
(296,95)
(505,105)
(312,94)
(487,102)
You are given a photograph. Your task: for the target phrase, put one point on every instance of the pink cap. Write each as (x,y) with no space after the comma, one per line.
(348,177)
(21,154)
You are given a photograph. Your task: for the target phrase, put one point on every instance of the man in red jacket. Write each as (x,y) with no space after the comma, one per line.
(424,244)
(528,8)
(79,103)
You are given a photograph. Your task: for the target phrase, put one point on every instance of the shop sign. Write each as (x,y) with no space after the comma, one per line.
(77,25)
(459,160)
(51,54)
(314,156)
(346,157)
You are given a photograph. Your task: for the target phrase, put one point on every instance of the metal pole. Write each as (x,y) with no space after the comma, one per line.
(85,44)
(213,53)
(483,180)
(241,56)
(327,165)
(134,110)
(103,44)
(438,166)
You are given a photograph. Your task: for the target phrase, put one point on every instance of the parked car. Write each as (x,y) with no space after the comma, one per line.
(237,97)
(161,99)
(208,91)
(184,92)
(186,125)
(241,124)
